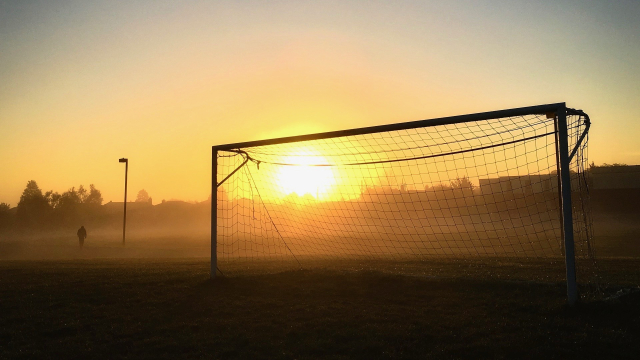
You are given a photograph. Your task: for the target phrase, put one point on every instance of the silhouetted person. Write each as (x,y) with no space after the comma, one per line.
(82,234)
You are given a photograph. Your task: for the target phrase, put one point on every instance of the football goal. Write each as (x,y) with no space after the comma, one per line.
(508,184)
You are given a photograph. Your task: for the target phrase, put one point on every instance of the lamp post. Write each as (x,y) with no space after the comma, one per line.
(126,172)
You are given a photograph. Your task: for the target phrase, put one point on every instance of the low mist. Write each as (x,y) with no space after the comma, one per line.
(45,226)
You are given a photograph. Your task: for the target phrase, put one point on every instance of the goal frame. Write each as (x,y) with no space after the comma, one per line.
(563,161)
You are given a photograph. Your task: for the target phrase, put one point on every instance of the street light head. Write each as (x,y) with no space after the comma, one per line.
(124,160)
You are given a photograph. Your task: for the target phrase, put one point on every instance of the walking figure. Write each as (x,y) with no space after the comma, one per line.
(82,234)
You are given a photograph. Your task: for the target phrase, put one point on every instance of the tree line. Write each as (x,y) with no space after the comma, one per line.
(37,210)
(41,211)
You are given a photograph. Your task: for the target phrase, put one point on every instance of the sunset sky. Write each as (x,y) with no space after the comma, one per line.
(83,83)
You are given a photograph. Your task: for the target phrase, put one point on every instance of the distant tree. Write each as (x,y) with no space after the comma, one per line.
(462,183)
(143,196)
(53,198)
(94,197)
(82,194)
(31,193)
(33,207)
(461,187)
(5,215)
(610,165)
(593,165)
(69,198)
(67,211)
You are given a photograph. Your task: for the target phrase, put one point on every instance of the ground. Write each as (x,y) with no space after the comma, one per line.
(170,309)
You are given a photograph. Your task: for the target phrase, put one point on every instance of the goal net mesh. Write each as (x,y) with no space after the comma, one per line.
(475,190)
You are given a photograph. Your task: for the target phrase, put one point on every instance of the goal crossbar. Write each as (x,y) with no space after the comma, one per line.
(458,119)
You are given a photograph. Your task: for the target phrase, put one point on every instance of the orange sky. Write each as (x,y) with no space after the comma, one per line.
(84,84)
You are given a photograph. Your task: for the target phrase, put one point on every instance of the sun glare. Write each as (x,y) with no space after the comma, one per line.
(303,178)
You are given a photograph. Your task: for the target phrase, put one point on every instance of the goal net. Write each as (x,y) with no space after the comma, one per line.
(480,186)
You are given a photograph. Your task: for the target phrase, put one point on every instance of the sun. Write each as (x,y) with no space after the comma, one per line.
(302,177)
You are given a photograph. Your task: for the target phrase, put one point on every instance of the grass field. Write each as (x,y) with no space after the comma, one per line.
(169,309)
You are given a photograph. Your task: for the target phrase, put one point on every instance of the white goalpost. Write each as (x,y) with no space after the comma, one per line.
(507,184)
